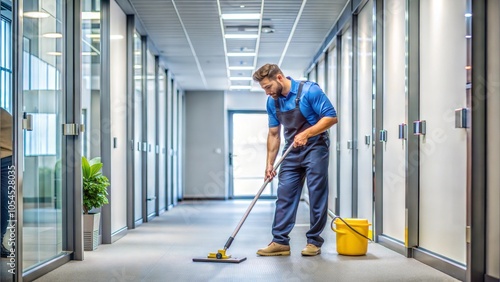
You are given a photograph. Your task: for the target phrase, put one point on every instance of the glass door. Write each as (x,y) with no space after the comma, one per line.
(247,155)
(43,101)
(6,144)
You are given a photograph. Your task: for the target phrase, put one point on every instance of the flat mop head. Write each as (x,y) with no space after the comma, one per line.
(220,256)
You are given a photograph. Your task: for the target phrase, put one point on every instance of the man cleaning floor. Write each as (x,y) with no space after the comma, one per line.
(305,113)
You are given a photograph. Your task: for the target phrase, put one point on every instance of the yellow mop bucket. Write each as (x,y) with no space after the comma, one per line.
(350,243)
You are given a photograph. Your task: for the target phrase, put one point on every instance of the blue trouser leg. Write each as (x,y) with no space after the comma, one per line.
(316,163)
(291,179)
(309,162)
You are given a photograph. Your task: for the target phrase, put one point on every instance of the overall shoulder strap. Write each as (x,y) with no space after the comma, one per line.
(277,105)
(299,92)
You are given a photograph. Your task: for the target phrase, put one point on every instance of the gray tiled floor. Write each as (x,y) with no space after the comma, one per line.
(162,250)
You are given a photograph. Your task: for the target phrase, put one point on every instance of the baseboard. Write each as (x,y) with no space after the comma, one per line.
(392,244)
(440,263)
(118,235)
(201,198)
(46,267)
(488,278)
(138,222)
(151,216)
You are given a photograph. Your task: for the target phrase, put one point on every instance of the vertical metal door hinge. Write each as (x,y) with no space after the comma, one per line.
(73,129)
(467,235)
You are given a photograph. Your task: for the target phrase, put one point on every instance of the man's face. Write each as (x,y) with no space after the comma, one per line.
(272,87)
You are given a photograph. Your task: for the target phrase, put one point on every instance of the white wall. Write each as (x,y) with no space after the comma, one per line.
(205,151)
(246,100)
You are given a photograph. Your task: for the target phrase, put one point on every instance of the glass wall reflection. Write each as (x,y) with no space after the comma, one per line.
(138,146)
(43,103)
(8,188)
(91,77)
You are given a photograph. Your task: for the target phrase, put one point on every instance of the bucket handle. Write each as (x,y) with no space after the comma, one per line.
(343,232)
(335,230)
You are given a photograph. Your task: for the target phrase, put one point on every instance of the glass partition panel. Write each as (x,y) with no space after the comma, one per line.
(345,127)
(151,132)
(118,103)
(443,149)
(365,112)
(332,93)
(8,189)
(162,139)
(137,127)
(91,78)
(393,115)
(43,100)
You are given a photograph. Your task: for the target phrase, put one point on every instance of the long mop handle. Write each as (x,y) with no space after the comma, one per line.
(237,229)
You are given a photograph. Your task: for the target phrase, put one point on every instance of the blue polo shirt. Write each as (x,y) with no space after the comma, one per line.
(314,104)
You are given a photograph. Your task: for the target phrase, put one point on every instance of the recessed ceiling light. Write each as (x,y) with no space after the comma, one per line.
(54,53)
(241,54)
(240,68)
(52,35)
(241,36)
(240,78)
(468,15)
(89,53)
(240,16)
(36,15)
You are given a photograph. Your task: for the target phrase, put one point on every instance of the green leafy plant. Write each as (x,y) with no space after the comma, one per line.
(94,184)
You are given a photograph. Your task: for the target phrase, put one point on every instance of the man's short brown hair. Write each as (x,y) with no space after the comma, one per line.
(268,70)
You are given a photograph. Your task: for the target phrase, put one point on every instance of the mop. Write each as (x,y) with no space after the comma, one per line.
(221,255)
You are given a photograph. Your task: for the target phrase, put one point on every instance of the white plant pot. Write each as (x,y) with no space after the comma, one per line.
(91,231)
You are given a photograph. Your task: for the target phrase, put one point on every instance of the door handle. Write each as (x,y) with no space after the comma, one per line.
(461,120)
(382,136)
(419,127)
(27,122)
(231,158)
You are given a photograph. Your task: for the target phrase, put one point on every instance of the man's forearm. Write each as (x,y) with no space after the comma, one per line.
(273,145)
(321,126)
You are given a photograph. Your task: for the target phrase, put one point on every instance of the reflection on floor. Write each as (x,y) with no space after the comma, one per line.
(162,250)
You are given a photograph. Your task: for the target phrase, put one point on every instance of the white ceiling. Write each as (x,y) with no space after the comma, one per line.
(188,34)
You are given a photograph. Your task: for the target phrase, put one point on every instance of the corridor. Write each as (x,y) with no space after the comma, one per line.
(162,250)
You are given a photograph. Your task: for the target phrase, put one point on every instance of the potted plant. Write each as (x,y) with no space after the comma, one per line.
(94,196)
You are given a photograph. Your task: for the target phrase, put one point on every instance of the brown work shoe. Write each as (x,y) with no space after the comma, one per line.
(274,249)
(311,250)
